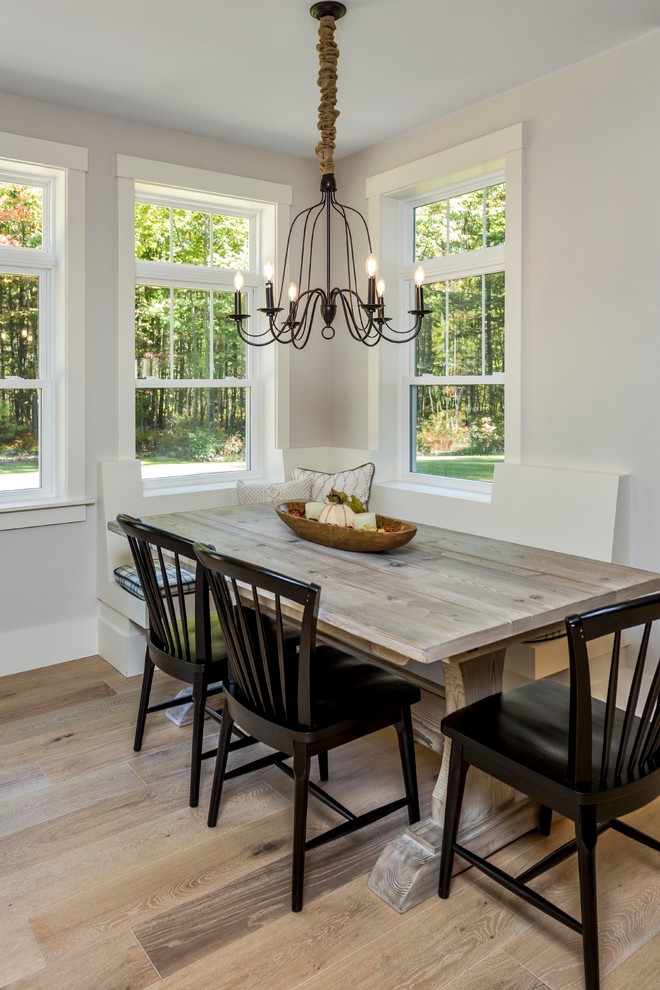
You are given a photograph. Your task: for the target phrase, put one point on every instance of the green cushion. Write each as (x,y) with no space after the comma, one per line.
(218,646)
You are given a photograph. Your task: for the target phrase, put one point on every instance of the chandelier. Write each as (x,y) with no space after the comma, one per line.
(307,306)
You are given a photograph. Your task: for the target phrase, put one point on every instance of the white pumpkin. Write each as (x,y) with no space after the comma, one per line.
(337,514)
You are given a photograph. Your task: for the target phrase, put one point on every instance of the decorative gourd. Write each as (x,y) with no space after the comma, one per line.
(337,514)
(365,520)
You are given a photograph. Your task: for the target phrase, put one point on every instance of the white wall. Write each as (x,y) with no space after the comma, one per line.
(591,274)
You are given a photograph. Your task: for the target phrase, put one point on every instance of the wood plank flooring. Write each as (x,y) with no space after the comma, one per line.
(109,881)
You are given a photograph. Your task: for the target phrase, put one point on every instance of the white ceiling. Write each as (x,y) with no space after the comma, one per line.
(245,70)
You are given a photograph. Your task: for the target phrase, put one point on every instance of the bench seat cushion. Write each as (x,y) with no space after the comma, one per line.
(127,577)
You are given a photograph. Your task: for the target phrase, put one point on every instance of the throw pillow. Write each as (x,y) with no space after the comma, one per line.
(356,481)
(256,492)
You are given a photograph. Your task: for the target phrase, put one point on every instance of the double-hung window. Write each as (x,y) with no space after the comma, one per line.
(41,331)
(197,407)
(26,278)
(457,386)
(193,388)
(449,402)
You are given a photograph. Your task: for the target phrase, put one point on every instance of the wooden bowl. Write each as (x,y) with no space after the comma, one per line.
(343,538)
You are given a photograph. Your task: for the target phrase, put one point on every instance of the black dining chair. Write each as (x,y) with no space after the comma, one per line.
(184,642)
(301,703)
(590,760)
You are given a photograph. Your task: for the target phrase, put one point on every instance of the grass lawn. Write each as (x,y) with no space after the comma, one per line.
(19,467)
(471,468)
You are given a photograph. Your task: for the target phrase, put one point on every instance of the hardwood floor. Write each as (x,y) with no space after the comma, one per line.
(110,881)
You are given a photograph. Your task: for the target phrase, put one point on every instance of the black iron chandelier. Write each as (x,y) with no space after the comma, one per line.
(310,306)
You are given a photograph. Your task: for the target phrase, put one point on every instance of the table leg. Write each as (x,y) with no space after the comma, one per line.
(406,872)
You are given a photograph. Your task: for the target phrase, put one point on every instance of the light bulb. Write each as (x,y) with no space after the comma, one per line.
(268,270)
(380,287)
(372,266)
(419,275)
(238,281)
(293,292)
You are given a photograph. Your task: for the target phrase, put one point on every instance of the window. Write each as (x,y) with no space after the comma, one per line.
(192,393)
(457,390)
(449,403)
(41,293)
(197,406)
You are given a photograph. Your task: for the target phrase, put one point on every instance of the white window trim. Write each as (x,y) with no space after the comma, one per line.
(270,368)
(66,500)
(389,196)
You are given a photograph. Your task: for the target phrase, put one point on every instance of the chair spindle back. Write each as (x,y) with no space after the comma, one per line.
(253,605)
(629,738)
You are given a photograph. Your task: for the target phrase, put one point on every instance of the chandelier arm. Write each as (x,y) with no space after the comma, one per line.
(253,338)
(306,213)
(301,331)
(394,336)
(350,256)
(311,251)
(368,333)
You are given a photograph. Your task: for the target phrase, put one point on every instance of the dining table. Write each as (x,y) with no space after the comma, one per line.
(441,610)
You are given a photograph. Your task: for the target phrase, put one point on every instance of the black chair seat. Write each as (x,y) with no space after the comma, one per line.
(529,726)
(344,688)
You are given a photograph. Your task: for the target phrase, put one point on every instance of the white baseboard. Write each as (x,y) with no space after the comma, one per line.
(29,649)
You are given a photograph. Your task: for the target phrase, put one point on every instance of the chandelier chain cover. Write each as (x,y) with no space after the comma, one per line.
(309,246)
(327,81)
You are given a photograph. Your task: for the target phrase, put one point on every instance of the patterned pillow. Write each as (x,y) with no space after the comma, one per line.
(256,492)
(356,481)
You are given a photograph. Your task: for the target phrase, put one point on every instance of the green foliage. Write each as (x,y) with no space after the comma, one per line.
(459,419)
(465,331)
(467,222)
(442,432)
(341,498)
(21,215)
(487,436)
(18,414)
(190,237)
(19,325)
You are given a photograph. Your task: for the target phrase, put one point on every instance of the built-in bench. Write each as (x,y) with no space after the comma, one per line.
(122,612)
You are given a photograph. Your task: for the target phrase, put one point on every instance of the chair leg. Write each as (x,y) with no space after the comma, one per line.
(199,712)
(545,819)
(226,726)
(145,692)
(408,764)
(301,766)
(586,834)
(458,769)
(324,772)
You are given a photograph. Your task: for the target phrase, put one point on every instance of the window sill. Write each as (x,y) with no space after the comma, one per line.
(29,514)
